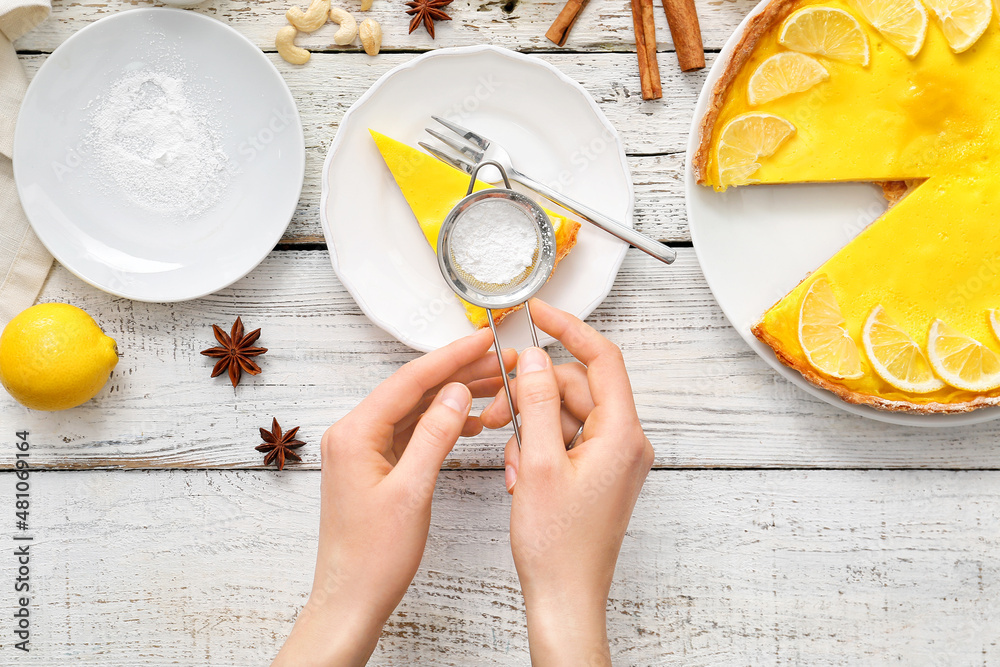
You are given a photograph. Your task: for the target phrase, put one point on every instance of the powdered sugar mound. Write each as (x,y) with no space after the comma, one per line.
(494,241)
(157,148)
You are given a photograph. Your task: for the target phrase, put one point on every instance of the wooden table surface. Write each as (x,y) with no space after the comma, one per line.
(774,528)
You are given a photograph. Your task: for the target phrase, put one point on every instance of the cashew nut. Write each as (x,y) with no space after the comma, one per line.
(348,26)
(366,5)
(285,43)
(371,36)
(312,19)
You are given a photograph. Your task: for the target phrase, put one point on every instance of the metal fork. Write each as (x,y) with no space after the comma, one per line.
(474,148)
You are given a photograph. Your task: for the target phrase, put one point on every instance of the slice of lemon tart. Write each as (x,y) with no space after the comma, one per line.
(906,95)
(432,189)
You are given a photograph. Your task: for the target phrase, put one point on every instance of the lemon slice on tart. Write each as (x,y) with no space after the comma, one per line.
(783,74)
(896,357)
(994,316)
(745,140)
(962,361)
(903,23)
(963,22)
(828,32)
(824,336)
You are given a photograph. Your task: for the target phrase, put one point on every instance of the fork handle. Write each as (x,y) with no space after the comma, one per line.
(641,241)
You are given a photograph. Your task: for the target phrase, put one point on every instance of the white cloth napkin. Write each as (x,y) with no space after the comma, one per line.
(24,261)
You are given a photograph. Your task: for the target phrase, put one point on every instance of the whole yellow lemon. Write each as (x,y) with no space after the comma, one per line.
(53,356)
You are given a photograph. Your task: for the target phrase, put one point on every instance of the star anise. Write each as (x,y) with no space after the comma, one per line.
(427,11)
(279,446)
(235,351)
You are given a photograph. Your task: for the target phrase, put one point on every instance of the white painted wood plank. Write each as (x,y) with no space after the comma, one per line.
(718,568)
(601,27)
(705,398)
(655,134)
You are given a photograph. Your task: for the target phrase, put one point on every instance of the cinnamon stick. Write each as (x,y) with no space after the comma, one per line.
(645,46)
(559,30)
(683,20)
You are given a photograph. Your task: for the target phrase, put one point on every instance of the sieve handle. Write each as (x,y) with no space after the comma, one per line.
(644,243)
(480,165)
(531,325)
(503,374)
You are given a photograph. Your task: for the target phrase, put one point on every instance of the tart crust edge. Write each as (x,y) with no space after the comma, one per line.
(859,398)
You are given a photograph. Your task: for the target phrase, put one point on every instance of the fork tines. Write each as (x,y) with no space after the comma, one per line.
(455,161)
(477,140)
(463,147)
(469,146)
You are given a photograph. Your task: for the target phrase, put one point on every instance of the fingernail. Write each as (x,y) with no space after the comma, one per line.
(456,397)
(532,360)
(509,477)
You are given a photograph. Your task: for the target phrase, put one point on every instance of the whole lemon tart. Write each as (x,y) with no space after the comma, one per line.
(900,93)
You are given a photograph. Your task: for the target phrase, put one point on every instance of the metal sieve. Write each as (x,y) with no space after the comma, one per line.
(497,296)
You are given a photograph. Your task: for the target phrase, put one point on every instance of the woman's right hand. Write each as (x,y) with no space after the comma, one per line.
(570,508)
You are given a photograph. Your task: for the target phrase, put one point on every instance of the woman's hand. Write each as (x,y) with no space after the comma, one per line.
(380,464)
(570,508)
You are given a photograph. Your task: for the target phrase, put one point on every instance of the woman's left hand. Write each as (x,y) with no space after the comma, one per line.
(380,465)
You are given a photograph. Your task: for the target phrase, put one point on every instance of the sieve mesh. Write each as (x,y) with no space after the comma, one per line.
(494,289)
(465,283)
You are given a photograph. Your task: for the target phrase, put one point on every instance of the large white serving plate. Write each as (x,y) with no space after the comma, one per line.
(554,132)
(97,232)
(756,243)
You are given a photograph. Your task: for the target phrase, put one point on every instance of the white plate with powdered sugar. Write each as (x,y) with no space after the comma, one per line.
(554,131)
(159,155)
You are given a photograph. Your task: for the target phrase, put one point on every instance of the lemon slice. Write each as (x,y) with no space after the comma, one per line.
(962,362)
(825,31)
(903,23)
(824,336)
(896,357)
(784,74)
(995,322)
(745,139)
(963,22)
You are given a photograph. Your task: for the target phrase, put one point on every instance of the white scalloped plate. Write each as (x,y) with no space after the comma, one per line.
(549,124)
(756,243)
